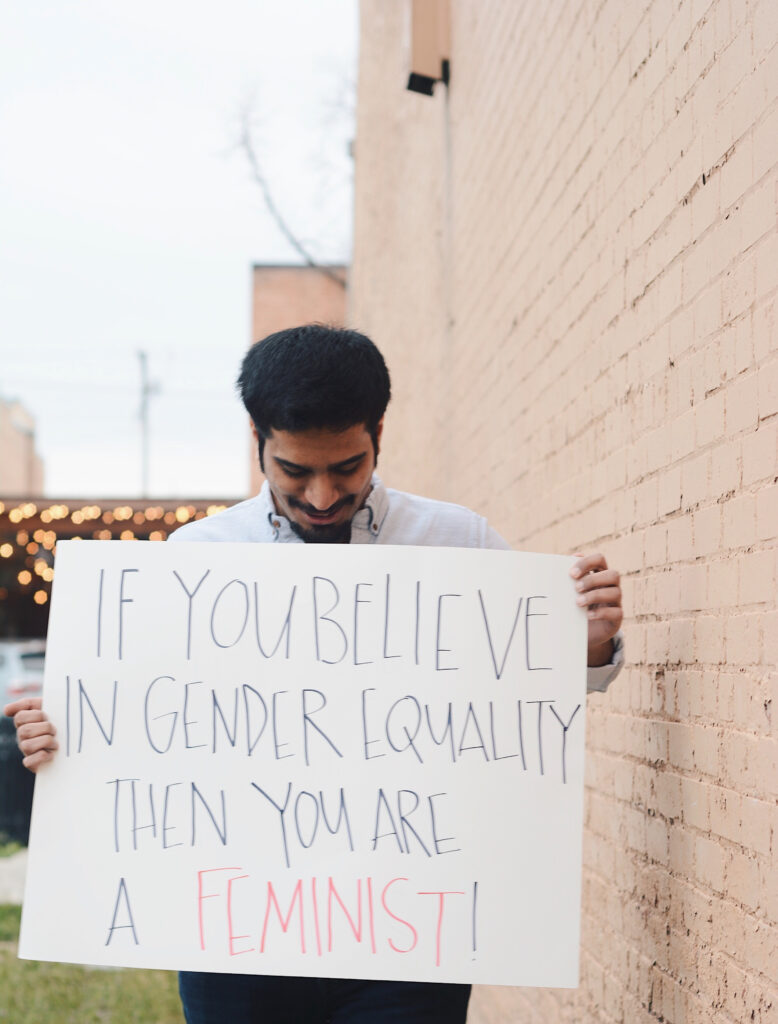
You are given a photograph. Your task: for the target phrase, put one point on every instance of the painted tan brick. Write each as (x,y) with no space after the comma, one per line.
(768,884)
(693,586)
(766,252)
(670,491)
(709,863)
(737,172)
(706,529)
(757,577)
(738,287)
(742,404)
(679,539)
(669,795)
(709,415)
(743,879)
(725,468)
(739,521)
(759,823)
(765,28)
(743,639)
(768,389)
(765,335)
(722,584)
(751,760)
(695,799)
(576,213)
(760,941)
(760,454)
(767,512)
(696,480)
(743,348)
(751,705)
(709,640)
(765,144)
(706,743)
(725,816)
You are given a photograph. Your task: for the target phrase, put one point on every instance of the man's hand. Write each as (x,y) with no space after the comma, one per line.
(600,594)
(34,732)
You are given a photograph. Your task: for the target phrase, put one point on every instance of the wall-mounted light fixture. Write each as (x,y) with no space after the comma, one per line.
(430,45)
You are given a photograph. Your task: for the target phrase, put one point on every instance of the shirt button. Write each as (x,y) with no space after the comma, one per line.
(375,527)
(276,524)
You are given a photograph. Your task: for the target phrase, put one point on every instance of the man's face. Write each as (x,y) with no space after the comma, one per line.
(320,478)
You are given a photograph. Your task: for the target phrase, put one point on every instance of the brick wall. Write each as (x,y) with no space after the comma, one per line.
(571,262)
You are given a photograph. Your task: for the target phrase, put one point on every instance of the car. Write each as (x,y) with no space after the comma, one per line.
(21,669)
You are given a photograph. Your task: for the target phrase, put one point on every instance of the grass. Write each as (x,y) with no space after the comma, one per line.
(9,847)
(10,916)
(34,992)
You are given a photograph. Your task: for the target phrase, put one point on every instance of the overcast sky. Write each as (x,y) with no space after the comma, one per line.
(129,220)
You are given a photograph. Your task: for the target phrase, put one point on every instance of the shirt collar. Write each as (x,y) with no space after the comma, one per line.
(369,519)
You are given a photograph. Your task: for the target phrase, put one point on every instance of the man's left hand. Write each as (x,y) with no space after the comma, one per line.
(599,593)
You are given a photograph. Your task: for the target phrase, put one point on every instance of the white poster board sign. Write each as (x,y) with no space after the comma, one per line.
(322,760)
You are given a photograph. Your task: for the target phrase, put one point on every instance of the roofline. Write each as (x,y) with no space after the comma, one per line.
(300,266)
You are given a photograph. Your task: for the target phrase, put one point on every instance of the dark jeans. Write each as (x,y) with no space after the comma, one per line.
(261,999)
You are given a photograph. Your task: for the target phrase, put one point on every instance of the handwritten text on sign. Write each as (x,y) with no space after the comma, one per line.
(342,761)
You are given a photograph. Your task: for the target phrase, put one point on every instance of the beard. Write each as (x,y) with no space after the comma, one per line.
(327,533)
(336,533)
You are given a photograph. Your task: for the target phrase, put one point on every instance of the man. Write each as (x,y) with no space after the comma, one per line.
(317,397)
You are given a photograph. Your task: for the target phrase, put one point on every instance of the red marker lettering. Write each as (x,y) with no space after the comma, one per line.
(401,920)
(356,928)
(297,897)
(233,951)
(316,916)
(441,903)
(371,915)
(206,896)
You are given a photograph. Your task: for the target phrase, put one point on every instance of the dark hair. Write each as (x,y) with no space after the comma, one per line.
(314,376)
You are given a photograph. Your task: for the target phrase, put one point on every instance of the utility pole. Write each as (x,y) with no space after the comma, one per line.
(147,389)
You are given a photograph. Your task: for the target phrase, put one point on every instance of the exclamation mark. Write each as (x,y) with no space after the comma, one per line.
(475,904)
(67,716)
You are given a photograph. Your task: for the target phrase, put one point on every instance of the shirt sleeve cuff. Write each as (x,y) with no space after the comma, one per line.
(599,678)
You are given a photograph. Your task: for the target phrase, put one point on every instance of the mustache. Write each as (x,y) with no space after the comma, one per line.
(311,510)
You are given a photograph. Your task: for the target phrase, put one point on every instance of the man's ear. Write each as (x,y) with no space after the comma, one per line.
(378,431)
(260,443)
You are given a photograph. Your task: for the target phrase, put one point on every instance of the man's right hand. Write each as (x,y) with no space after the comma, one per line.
(34,732)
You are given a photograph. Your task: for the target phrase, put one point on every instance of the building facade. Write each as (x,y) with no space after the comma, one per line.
(21,468)
(569,255)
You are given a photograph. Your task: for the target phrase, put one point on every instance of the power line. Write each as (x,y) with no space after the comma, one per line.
(148,389)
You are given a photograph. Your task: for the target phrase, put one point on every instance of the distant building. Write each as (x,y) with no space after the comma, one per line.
(286,296)
(21,468)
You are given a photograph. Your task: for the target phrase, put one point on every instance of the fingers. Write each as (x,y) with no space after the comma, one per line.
(36,744)
(36,740)
(23,704)
(22,718)
(606,613)
(34,761)
(34,732)
(595,582)
(603,578)
(599,594)
(602,595)
(588,563)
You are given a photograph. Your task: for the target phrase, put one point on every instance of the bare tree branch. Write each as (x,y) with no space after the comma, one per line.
(256,172)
